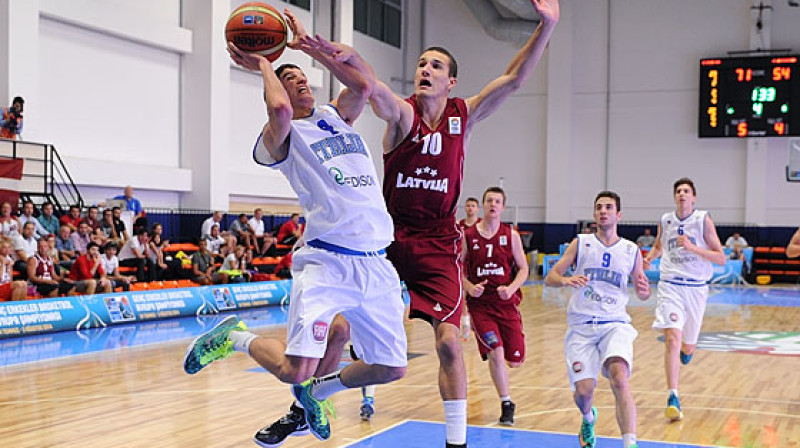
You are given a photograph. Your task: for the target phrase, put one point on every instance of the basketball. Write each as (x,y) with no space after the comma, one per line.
(257,28)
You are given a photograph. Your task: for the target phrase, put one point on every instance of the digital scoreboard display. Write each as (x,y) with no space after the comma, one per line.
(750,97)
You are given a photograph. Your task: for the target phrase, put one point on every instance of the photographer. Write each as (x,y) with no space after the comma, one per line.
(11,119)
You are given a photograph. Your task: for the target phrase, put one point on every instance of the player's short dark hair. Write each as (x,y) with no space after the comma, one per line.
(495,190)
(283,67)
(612,195)
(471,199)
(684,181)
(452,64)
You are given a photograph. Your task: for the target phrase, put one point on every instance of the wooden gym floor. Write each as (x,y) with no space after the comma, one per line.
(125,387)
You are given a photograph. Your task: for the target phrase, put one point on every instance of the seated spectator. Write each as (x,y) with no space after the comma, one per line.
(42,273)
(736,240)
(216,218)
(290,231)
(27,215)
(140,223)
(107,229)
(119,225)
(81,238)
(134,254)
(284,267)
(235,266)
(72,219)
(203,269)
(9,224)
(88,273)
(264,241)
(647,239)
(111,268)
(92,218)
(10,289)
(167,268)
(793,249)
(47,220)
(131,203)
(51,240)
(66,249)
(25,247)
(216,244)
(242,233)
(737,253)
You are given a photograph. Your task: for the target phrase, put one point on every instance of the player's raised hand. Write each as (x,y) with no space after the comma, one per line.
(685,242)
(576,281)
(547,9)
(477,290)
(249,61)
(646,261)
(642,285)
(298,30)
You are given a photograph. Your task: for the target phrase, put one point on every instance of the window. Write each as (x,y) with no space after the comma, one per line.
(381,19)
(305,4)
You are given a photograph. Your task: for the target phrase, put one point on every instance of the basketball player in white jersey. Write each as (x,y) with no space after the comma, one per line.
(793,249)
(342,267)
(689,242)
(600,334)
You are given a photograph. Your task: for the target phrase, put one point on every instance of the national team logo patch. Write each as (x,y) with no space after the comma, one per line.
(673,317)
(577,367)
(454,125)
(320,331)
(490,338)
(503,240)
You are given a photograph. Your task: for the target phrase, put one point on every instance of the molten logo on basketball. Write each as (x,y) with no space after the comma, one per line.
(247,41)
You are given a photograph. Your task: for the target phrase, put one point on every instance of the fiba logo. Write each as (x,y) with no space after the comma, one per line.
(577,367)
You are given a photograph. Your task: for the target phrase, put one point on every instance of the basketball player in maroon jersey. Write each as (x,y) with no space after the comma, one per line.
(424,146)
(495,268)
(472,208)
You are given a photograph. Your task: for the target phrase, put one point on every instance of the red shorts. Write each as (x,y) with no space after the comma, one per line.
(498,326)
(5,291)
(428,263)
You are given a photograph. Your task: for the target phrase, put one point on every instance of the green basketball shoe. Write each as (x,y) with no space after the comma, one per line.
(212,345)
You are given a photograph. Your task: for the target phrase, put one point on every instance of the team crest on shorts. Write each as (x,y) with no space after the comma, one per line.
(673,317)
(320,331)
(577,367)
(490,338)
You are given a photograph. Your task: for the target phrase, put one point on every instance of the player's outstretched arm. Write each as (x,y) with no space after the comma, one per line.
(655,251)
(279,107)
(395,111)
(521,67)
(556,275)
(793,249)
(640,282)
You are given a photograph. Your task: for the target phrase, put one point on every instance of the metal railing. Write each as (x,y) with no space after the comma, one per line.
(44,175)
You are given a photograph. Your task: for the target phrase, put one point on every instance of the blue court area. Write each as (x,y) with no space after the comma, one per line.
(70,343)
(415,434)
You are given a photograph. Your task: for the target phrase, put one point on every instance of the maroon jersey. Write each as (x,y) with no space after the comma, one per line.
(490,259)
(423,174)
(463,224)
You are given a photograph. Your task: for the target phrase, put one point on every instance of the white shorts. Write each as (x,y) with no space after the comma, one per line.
(681,307)
(587,347)
(365,290)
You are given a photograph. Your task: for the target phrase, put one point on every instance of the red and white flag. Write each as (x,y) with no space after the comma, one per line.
(10,180)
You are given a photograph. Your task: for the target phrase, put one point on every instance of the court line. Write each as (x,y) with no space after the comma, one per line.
(395,425)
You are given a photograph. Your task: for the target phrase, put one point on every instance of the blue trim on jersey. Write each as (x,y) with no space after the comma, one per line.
(336,109)
(270,165)
(687,216)
(319,244)
(694,285)
(602,322)
(604,244)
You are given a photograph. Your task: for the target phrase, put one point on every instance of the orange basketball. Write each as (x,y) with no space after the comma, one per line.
(257,28)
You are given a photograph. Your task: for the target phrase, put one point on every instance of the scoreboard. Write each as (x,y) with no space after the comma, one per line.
(750,97)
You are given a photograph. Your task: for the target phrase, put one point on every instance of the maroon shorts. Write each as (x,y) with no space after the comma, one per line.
(498,326)
(428,263)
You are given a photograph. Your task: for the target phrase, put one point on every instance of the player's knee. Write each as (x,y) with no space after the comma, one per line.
(672,337)
(295,373)
(514,365)
(449,350)
(584,389)
(390,374)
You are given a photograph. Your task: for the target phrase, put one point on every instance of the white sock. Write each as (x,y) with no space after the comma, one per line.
(241,340)
(674,391)
(369,391)
(298,404)
(324,387)
(628,440)
(505,398)
(455,419)
(589,417)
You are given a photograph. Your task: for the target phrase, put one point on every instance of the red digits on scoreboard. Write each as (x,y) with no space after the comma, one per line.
(744,74)
(780,127)
(741,129)
(781,73)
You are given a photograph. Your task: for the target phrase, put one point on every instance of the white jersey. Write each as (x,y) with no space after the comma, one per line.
(330,168)
(678,265)
(605,297)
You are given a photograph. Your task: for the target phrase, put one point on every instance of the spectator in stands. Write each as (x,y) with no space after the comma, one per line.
(9,224)
(88,273)
(11,119)
(111,268)
(203,268)
(25,247)
(736,240)
(72,219)
(586,230)
(107,229)
(216,218)
(10,289)
(134,254)
(131,203)
(290,231)
(27,215)
(81,238)
(284,267)
(65,247)
(647,239)
(119,225)
(47,220)
(793,249)
(264,241)
(51,240)
(216,244)
(166,271)
(235,266)
(93,220)
(242,233)
(43,275)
